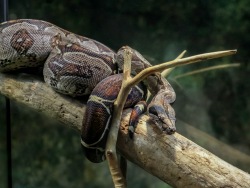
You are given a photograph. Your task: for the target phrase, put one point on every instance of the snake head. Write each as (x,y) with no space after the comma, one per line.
(160,110)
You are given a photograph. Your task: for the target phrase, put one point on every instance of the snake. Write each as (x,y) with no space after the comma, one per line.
(79,66)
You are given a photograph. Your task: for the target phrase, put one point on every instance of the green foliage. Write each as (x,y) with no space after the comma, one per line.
(45,155)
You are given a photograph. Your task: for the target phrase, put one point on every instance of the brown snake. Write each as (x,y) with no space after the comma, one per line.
(76,65)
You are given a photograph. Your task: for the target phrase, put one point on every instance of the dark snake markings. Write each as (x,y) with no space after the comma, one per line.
(77,66)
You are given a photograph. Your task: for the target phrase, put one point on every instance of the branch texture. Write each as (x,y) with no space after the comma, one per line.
(172,158)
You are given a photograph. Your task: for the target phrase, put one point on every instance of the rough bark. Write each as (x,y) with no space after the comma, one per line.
(172,158)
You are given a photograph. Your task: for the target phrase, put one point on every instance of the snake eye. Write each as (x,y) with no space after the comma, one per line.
(156,110)
(152,110)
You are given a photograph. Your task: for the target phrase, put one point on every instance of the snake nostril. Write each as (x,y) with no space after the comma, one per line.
(170,130)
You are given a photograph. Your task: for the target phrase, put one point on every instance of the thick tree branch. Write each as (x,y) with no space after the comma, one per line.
(172,158)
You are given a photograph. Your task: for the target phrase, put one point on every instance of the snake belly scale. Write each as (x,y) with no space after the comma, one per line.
(76,66)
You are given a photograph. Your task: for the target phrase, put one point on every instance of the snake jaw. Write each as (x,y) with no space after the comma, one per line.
(168,125)
(161,109)
(163,115)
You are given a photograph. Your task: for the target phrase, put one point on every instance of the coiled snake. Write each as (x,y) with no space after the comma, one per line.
(76,65)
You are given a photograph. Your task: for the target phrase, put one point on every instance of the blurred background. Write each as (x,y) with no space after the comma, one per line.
(212,107)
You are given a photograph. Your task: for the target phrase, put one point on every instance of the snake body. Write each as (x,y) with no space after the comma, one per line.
(76,65)
(100,104)
(73,64)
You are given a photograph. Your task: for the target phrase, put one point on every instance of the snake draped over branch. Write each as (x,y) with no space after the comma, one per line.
(78,66)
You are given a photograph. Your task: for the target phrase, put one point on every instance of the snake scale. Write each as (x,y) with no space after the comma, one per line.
(78,66)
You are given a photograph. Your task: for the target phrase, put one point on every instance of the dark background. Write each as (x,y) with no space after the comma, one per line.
(46,154)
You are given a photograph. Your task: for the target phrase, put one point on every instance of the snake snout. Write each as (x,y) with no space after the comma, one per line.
(168,124)
(170,130)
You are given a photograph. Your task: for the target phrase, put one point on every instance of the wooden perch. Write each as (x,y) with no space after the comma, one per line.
(172,158)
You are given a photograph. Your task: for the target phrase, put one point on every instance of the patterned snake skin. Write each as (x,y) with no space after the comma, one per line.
(74,65)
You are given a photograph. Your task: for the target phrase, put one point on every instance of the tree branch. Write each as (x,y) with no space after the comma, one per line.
(172,158)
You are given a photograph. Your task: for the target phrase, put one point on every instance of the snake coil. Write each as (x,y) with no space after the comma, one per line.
(78,66)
